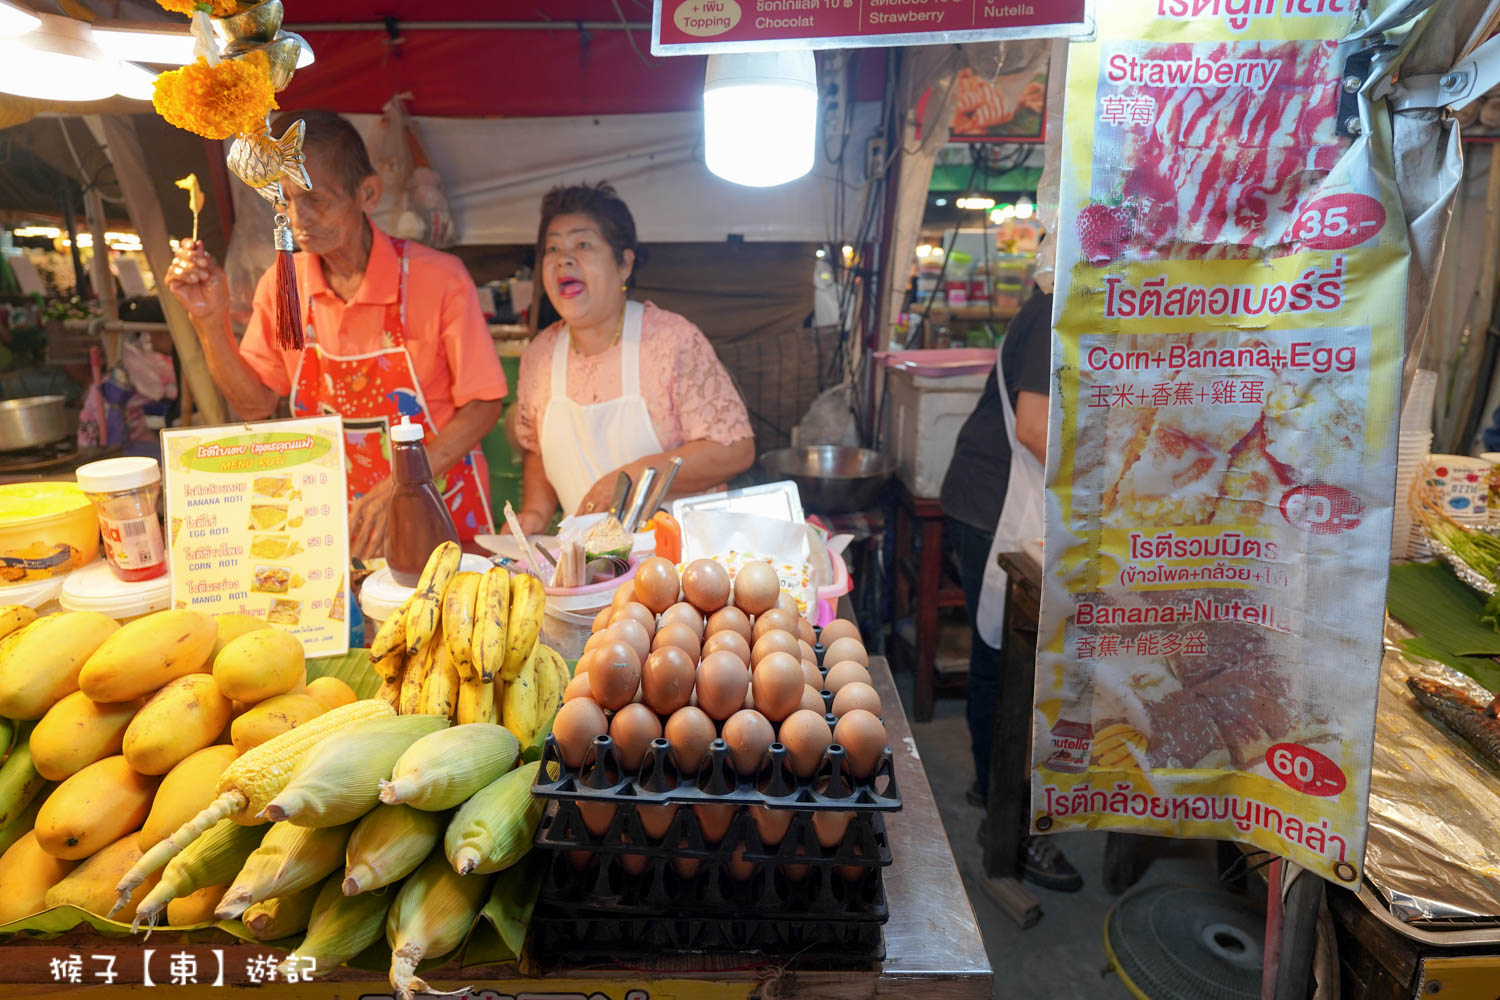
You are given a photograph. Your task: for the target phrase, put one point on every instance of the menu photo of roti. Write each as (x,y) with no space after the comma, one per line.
(267,516)
(336,606)
(274,546)
(284,611)
(274,580)
(275,487)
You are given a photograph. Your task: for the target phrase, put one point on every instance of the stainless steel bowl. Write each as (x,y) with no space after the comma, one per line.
(831,478)
(31,422)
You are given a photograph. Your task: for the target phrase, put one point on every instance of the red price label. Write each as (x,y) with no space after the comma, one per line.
(1339,221)
(1322,510)
(1305,770)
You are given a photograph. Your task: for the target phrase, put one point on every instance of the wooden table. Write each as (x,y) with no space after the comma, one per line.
(933,947)
(920,589)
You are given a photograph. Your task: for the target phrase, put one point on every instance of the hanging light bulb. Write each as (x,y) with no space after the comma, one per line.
(1024,207)
(146,43)
(760,116)
(16,21)
(57,61)
(135,83)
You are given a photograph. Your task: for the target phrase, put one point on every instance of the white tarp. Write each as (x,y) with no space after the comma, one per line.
(496,171)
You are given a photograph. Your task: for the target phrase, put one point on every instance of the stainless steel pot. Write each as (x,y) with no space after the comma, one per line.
(32,421)
(831,479)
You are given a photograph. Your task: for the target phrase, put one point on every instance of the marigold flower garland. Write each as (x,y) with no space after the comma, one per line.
(216,102)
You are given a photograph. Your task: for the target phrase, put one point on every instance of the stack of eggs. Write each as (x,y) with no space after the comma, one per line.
(698,657)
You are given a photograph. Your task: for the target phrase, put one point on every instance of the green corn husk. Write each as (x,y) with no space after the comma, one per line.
(442,770)
(290,858)
(493,830)
(281,916)
(432,914)
(213,859)
(339,780)
(388,845)
(340,928)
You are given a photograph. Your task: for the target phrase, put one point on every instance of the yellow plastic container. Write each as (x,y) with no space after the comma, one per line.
(46,530)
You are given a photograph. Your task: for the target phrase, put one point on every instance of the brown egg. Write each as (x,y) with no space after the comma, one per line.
(656,584)
(690,731)
(863,738)
(657,820)
(730,640)
(831,826)
(578,687)
(722,683)
(812,700)
(685,614)
(601,620)
(856,694)
(705,585)
(679,635)
(633,864)
(797,872)
(749,736)
(846,672)
(811,675)
(633,728)
(624,594)
(773,619)
(805,650)
(639,612)
(839,628)
(806,737)
(667,679)
(596,816)
(805,632)
(786,602)
(755,588)
(738,867)
(846,649)
(772,823)
(576,725)
(615,674)
(631,632)
(686,868)
(731,618)
(773,642)
(778,685)
(714,819)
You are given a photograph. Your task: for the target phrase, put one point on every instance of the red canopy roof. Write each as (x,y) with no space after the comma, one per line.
(575,61)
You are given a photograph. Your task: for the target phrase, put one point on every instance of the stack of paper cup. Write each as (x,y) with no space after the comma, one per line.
(1411,456)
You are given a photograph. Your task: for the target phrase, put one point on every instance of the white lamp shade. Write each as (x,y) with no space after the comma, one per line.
(134,82)
(57,61)
(16,21)
(760,116)
(146,44)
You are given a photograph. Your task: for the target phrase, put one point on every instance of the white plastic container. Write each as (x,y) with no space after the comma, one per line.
(96,588)
(929,400)
(568,619)
(39,595)
(380,595)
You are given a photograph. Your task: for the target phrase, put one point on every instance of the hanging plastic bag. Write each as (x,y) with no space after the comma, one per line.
(414,205)
(149,371)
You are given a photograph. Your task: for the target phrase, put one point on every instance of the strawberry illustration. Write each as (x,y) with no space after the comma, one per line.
(1103,232)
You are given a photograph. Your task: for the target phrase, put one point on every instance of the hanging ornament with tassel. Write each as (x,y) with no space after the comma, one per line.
(243,60)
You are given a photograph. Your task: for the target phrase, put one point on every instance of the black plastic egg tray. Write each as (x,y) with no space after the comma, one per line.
(864,843)
(603,778)
(603,909)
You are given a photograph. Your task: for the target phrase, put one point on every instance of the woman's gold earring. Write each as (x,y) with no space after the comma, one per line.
(624,287)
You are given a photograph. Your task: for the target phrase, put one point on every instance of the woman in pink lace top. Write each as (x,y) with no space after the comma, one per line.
(615,385)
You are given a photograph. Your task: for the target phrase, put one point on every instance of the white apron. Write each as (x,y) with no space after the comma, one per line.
(1020,521)
(580,444)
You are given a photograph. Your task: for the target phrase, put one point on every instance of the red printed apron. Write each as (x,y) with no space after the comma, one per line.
(371,392)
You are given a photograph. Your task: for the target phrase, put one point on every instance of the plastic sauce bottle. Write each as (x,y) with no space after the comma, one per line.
(126,493)
(418,520)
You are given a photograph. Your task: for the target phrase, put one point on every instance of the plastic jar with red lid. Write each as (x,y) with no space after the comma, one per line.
(126,493)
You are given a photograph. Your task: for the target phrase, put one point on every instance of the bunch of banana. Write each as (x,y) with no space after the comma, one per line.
(455,644)
(533,698)
(1118,745)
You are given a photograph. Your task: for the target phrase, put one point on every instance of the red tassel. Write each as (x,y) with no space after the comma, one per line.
(288,307)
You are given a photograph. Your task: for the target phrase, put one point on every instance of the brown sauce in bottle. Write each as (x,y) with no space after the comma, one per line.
(418,521)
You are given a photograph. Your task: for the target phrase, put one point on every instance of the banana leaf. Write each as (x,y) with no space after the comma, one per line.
(353,668)
(1428,599)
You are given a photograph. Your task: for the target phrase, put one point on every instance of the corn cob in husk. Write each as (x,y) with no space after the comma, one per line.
(442,770)
(388,845)
(493,829)
(433,912)
(290,858)
(339,928)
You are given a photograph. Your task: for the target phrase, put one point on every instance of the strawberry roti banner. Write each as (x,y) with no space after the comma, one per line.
(1227,354)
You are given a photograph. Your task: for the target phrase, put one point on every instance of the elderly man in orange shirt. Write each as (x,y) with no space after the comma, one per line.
(393,329)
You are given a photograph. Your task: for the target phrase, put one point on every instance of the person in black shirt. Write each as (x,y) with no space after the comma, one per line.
(973,495)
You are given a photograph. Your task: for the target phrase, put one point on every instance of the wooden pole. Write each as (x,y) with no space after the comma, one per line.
(123,144)
(104,280)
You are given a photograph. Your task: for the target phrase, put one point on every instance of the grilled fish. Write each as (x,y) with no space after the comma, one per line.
(1463,714)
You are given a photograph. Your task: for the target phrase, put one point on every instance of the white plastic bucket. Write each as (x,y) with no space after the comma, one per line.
(96,588)
(569,617)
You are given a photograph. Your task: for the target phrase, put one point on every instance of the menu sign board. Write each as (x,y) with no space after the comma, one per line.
(684,27)
(257,525)
(1226,361)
